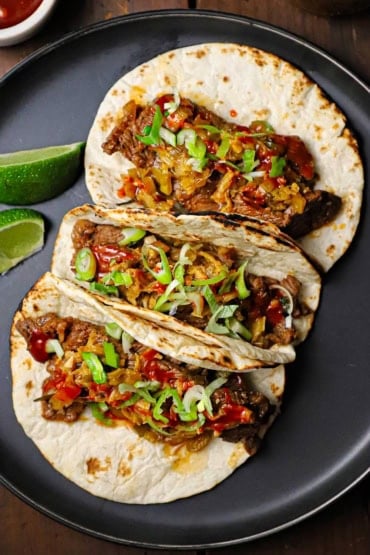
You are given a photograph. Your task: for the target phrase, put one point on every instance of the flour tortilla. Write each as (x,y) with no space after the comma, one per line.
(231,78)
(267,257)
(114,462)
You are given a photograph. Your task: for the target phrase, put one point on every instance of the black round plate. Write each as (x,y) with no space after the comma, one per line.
(319,447)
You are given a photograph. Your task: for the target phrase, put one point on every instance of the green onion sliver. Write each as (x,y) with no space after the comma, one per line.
(95,365)
(223,147)
(223,312)
(98,413)
(111,357)
(277,166)
(54,346)
(103,289)
(114,330)
(85,264)
(131,235)
(237,327)
(211,281)
(164,276)
(127,341)
(167,136)
(152,136)
(241,287)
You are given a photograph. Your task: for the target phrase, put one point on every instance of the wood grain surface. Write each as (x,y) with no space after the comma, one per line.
(341,528)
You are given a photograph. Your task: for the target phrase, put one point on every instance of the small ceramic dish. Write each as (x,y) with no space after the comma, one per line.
(29,26)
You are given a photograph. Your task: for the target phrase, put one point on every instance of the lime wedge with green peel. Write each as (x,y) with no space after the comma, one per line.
(21,234)
(30,176)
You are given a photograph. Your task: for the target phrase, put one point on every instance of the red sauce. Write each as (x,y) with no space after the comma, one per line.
(105,253)
(232,414)
(15,11)
(155,371)
(233,113)
(274,312)
(299,155)
(162,100)
(37,346)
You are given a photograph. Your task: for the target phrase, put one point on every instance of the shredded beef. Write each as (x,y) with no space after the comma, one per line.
(320,209)
(247,433)
(82,233)
(107,234)
(65,414)
(123,136)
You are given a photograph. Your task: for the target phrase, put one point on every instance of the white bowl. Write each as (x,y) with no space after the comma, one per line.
(29,26)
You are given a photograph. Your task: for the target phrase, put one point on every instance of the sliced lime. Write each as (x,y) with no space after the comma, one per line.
(30,176)
(21,234)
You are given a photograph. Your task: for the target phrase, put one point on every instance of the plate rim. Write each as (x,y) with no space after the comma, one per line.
(96,28)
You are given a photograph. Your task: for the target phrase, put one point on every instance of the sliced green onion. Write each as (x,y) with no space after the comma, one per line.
(225,162)
(167,136)
(237,327)
(85,264)
(140,391)
(152,137)
(197,164)
(157,410)
(210,298)
(214,385)
(166,295)
(103,406)
(183,260)
(211,128)
(196,300)
(125,387)
(197,150)
(97,370)
(223,147)
(131,401)
(99,414)
(110,354)
(164,276)
(223,311)
(186,136)
(127,341)
(172,106)
(131,235)
(211,281)
(241,287)
(97,287)
(249,162)
(277,166)
(150,385)
(54,346)
(118,278)
(192,396)
(114,330)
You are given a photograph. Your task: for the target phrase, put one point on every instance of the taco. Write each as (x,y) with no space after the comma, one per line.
(117,417)
(244,295)
(234,129)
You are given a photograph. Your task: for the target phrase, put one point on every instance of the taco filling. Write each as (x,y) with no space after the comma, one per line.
(189,159)
(122,381)
(205,286)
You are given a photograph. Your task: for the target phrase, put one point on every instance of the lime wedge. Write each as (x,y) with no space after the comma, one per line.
(21,234)
(30,176)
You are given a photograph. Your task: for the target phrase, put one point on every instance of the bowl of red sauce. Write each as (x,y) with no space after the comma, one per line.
(20,19)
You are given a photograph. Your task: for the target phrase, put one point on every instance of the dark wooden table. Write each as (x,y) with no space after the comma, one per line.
(343,527)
